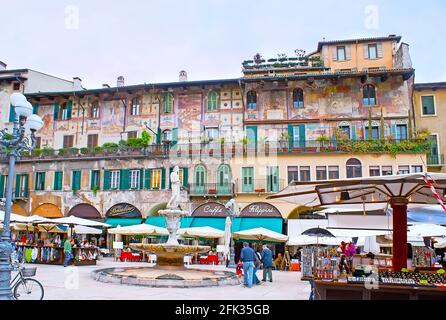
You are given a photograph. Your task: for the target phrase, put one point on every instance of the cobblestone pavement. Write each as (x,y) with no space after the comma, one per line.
(76,283)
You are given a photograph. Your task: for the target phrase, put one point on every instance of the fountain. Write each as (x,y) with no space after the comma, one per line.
(169,270)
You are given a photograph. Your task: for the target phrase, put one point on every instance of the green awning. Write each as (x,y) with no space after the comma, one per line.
(189,222)
(273,224)
(156,221)
(123,222)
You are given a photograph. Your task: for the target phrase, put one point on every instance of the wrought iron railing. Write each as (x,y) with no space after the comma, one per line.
(211,189)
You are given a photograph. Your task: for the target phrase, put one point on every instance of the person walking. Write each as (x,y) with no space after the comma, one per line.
(68,251)
(248,257)
(267,260)
(257,264)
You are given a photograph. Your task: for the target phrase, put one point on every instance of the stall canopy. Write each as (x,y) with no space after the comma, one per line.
(123,214)
(307,241)
(426,230)
(202,232)
(427,214)
(87,230)
(85,211)
(141,229)
(14,217)
(260,234)
(72,220)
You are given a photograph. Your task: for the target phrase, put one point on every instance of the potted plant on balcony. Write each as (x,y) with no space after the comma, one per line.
(73,151)
(85,151)
(323,143)
(244,141)
(48,152)
(98,151)
(37,153)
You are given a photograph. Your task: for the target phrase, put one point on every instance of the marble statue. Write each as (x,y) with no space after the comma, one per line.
(175,182)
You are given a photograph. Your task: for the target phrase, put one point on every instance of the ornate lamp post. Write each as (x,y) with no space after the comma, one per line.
(12,146)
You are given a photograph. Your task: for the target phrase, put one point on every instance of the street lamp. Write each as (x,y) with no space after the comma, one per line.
(12,146)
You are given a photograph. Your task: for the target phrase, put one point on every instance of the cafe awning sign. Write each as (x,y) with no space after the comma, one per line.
(211,209)
(123,210)
(260,209)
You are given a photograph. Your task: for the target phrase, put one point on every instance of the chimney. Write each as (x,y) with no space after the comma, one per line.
(2,66)
(183,76)
(104,85)
(77,84)
(121,81)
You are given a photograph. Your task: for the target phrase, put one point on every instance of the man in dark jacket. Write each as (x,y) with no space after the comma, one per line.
(267,259)
(248,257)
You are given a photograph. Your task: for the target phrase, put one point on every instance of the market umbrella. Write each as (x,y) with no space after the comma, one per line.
(309,240)
(72,220)
(261,234)
(228,235)
(140,229)
(13,218)
(426,230)
(87,230)
(317,233)
(398,191)
(201,232)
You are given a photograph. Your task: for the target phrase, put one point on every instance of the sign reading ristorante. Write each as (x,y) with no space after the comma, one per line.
(211,209)
(123,210)
(260,209)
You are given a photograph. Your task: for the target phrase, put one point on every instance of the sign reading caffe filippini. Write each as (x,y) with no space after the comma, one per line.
(123,210)
(260,209)
(211,209)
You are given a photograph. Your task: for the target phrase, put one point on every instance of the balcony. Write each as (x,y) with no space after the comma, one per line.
(260,186)
(212,189)
(435,160)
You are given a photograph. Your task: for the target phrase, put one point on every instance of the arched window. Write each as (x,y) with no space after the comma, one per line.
(369,95)
(200,180)
(94,110)
(167,135)
(224,179)
(252,100)
(136,107)
(354,168)
(298,98)
(212,101)
(167,102)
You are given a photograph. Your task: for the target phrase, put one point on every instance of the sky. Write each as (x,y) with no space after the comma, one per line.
(149,41)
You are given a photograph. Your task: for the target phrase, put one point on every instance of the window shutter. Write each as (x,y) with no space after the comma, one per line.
(170,182)
(17,186)
(43,180)
(11,113)
(106,185)
(76,183)
(302,136)
(69,109)
(353,133)
(147,179)
(348,53)
(290,137)
(163,178)
(56,111)
(174,136)
(2,186)
(141,179)
(393,130)
(335,53)
(35,108)
(185,177)
(125,177)
(92,177)
(26,177)
(379,47)
(366,50)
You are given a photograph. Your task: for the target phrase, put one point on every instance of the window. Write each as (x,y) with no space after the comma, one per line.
(200,179)
(417,169)
(58,178)
(373,51)
(248,179)
(354,168)
(21,190)
(375,171)
(345,130)
(16,86)
(167,102)
(212,133)
(135,179)
(401,132)
(428,105)
(387,170)
(321,173)
(272,179)
(433,157)
(76,180)
(94,113)
(40,181)
(155,179)
(293,174)
(403,169)
(167,135)
(95,179)
(369,95)
(333,172)
(305,174)
(375,133)
(212,101)
(252,100)
(92,141)
(68,142)
(65,111)
(136,105)
(340,53)
(132,134)
(298,98)
(115,179)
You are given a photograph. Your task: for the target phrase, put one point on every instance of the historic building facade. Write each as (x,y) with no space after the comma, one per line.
(342,111)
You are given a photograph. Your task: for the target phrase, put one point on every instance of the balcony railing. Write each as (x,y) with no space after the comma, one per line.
(233,149)
(212,189)
(435,160)
(271,185)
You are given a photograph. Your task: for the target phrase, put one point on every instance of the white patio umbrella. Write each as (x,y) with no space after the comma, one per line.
(140,229)
(303,240)
(37,219)
(228,235)
(201,232)
(14,217)
(426,230)
(260,234)
(72,220)
(87,230)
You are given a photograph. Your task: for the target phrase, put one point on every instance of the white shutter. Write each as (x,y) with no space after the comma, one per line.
(348,53)
(366,50)
(335,53)
(380,49)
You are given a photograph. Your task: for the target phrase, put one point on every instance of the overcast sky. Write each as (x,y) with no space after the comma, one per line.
(152,40)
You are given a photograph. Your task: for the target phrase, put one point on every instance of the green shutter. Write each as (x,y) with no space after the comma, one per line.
(170,182)
(17,186)
(2,186)
(141,179)
(35,108)
(56,111)
(106,180)
(302,136)
(26,177)
(125,180)
(76,183)
(92,178)
(147,179)
(290,137)
(354,133)
(11,113)
(57,181)
(392,131)
(174,136)
(69,109)
(185,177)
(163,178)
